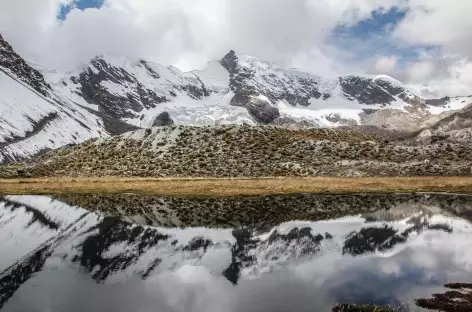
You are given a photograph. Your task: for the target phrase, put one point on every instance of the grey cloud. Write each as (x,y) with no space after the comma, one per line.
(189,33)
(184,32)
(434,75)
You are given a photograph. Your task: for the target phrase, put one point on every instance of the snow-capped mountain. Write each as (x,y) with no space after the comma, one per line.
(32,117)
(42,109)
(269,91)
(13,64)
(235,89)
(43,234)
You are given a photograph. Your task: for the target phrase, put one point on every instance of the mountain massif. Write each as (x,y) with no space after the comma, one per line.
(43,109)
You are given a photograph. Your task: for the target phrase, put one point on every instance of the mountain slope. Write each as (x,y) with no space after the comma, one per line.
(33,118)
(137,92)
(31,123)
(283,89)
(247,151)
(457,127)
(237,89)
(13,64)
(42,109)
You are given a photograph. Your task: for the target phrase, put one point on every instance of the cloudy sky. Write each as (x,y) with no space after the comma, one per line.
(424,43)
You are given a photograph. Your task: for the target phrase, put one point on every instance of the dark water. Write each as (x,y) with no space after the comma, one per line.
(387,250)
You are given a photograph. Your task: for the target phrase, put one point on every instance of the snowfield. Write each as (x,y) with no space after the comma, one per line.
(30,123)
(20,106)
(217,109)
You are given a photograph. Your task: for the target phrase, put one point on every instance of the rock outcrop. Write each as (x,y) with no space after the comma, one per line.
(13,63)
(163,119)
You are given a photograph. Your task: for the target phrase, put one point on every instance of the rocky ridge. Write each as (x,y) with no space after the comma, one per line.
(133,90)
(456,127)
(12,63)
(102,80)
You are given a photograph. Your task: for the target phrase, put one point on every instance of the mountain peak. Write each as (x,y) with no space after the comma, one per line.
(230,54)
(230,61)
(15,65)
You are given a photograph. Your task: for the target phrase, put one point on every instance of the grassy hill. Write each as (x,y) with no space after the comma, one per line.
(245,151)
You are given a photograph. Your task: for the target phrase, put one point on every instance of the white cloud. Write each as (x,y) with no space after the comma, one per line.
(434,76)
(24,22)
(184,32)
(445,76)
(437,22)
(420,71)
(188,33)
(386,64)
(446,25)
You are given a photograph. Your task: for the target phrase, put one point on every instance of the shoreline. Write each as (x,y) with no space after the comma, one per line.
(227,187)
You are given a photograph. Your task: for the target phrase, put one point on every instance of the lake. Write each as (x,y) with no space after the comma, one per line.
(272,253)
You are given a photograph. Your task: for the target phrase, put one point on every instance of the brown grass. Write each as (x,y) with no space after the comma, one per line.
(235,187)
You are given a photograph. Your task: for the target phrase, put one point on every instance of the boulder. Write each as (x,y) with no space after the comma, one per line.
(162,120)
(262,110)
(259,108)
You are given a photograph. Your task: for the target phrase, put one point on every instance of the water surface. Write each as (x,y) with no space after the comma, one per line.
(275,253)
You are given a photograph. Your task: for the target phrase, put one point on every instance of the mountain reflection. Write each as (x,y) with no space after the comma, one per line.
(53,255)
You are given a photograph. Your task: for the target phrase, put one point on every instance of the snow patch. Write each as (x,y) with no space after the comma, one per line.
(20,106)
